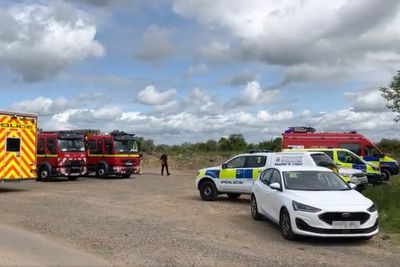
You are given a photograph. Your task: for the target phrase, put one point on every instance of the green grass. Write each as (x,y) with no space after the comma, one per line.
(387,199)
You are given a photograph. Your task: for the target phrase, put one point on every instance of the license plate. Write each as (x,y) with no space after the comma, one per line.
(74,174)
(346,224)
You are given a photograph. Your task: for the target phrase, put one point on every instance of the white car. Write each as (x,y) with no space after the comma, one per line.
(312,201)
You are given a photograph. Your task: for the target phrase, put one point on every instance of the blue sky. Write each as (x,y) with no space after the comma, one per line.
(186,71)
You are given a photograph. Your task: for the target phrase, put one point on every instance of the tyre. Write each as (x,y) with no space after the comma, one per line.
(286,225)
(233,196)
(101,171)
(126,175)
(44,174)
(254,209)
(208,191)
(72,178)
(385,174)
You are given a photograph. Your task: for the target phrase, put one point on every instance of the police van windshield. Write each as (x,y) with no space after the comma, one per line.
(313,181)
(71,145)
(125,146)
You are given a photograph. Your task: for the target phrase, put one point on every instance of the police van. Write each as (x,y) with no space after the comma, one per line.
(236,176)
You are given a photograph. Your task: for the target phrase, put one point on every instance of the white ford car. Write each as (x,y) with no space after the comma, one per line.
(312,201)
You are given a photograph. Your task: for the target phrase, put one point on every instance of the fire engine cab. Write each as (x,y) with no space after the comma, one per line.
(115,153)
(60,154)
(308,137)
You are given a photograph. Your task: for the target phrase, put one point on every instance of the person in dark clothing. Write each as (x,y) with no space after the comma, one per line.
(164,164)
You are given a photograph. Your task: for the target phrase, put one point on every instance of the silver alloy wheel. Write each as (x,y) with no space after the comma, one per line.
(253,207)
(285,224)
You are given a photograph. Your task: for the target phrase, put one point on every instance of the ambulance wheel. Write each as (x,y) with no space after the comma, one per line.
(385,174)
(286,225)
(44,174)
(254,209)
(72,178)
(208,191)
(101,171)
(233,196)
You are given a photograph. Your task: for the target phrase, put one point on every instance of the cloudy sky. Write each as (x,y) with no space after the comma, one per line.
(191,70)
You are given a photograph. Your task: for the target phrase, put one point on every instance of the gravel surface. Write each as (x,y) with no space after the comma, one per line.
(157,220)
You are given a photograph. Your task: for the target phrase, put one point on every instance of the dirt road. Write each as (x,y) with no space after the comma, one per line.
(161,221)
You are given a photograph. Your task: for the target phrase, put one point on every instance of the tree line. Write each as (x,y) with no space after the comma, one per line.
(237,143)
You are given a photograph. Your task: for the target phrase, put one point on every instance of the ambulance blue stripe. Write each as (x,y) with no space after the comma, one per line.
(213,173)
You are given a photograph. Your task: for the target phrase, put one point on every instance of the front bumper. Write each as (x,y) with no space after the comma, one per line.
(312,225)
(374,178)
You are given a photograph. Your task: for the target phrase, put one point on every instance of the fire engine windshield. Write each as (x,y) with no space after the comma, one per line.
(71,145)
(125,146)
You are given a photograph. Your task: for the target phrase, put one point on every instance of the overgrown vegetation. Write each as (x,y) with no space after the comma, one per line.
(390,146)
(387,199)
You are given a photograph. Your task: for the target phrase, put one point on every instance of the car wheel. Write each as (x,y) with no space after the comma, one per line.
(385,174)
(254,209)
(233,196)
(101,171)
(286,226)
(44,174)
(208,191)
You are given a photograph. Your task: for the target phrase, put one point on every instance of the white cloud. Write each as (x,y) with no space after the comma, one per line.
(241,78)
(253,94)
(151,96)
(216,51)
(38,41)
(367,100)
(42,105)
(155,44)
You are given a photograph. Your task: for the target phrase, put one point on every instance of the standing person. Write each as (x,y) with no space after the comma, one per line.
(139,171)
(164,164)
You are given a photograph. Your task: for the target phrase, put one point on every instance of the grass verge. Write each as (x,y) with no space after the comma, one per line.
(387,199)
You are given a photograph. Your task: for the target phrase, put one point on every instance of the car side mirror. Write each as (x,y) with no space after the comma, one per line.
(275,186)
(352,186)
(224,166)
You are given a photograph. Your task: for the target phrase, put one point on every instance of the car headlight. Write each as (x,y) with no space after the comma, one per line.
(303,207)
(373,208)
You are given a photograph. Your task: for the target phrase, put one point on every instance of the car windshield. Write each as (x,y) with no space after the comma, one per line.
(125,146)
(314,181)
(71,145)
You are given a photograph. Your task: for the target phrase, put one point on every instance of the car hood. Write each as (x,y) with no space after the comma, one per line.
(330,199)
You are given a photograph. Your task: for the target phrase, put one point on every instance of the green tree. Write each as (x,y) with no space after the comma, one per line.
(392,95)
(237,142)
(272,144)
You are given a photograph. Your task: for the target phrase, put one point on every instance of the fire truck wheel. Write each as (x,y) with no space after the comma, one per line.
(101,171)
(126,175)
(72,178)
(44,174)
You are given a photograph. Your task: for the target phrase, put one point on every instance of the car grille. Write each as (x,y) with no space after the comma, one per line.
(359,175)
(302,225)
(328,217)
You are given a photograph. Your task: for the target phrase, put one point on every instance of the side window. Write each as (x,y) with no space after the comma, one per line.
(276,177)
(266,176)
(109,148)
(92,146)
(236,163)
(371,151)
(255,161)
(99,149)
(353,147)
(13,145)
(329,153)
(346,157)
(41,147)
(51,145)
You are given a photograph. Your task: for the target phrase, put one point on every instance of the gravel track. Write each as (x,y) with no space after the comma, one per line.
(157,220)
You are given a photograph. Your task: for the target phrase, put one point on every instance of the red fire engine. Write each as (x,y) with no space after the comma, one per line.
(60,153)
(111,154)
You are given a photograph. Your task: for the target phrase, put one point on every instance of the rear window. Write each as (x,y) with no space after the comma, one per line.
(13,145)
(322,159)
(353,147)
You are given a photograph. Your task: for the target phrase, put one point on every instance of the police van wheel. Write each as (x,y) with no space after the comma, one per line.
(385,174)
(254,209)
(44,174)
(233,196)
(101,171)
(208,191)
